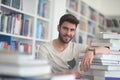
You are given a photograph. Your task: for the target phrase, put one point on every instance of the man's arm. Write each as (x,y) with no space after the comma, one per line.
(89,54)
(74,72)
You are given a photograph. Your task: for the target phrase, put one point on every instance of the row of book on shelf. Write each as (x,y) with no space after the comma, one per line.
(18,4)
(43,6)
(7,43)
(85,10)
(105,66)
(18,24)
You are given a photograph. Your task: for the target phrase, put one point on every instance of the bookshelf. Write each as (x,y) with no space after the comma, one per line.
(27,25)
(91,20)
(113,23)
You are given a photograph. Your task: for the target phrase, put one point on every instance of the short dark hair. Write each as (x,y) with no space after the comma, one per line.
(70,18)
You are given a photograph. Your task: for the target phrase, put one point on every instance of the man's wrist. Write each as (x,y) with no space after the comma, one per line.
(92,49)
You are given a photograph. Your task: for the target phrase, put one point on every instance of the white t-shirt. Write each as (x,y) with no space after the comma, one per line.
(61,61)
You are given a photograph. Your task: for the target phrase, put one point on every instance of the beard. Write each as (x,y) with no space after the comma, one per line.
(65,40)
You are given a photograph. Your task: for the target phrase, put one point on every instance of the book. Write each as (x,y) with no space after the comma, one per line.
(107,35)
(114,52)
(105,67)
(6,2)
(18,24)
(6,38)
(107,73)
(13,56)
(105,62)
(43,77)
(113,44)
(25,71)
(108,57)
(27,62)
(101,73)
(106,40)
(27,27)
(63,77)
(16,4)
(106,78)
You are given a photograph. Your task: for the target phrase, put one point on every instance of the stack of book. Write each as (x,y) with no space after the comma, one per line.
(22,66)
(106,66)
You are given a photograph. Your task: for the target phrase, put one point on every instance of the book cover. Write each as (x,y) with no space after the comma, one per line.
(90,27)
(38,29)
(6,38)
(83,25)
(6,2)
(18,24)
(89,39)
(16,4)
(83,8)
(0,20)
(27,27)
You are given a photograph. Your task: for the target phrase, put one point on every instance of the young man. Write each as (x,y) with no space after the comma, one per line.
(62,53)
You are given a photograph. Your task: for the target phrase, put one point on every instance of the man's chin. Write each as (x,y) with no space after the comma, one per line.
(66,41)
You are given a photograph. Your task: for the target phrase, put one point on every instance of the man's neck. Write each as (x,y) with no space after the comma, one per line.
(59,46)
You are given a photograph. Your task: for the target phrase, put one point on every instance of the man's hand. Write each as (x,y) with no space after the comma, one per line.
(74,72)
(86,61)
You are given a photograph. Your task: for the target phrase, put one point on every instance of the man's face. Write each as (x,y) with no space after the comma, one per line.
(66,32)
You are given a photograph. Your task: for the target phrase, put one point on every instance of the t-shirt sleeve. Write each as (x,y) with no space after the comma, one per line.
(42,52)
(83,48)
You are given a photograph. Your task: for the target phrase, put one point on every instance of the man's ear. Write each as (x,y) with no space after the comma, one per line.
(58,28)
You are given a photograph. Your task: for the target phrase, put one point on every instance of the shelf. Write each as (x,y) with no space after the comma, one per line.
(91,20)
(19,22)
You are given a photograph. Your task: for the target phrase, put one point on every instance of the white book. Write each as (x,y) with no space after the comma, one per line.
(64,77)
(105,62)
(117,48)
(114,52)
(106,78)
(24,62)
(101,44)
(25,71)
(107,73)
(14,56)
(112,44)
(101,73)
(20,60)
(106,40)
(108,57)
(107,35)
(105,67)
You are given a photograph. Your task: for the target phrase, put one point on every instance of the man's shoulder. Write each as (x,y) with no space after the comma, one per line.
(75,44)
(47,44)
